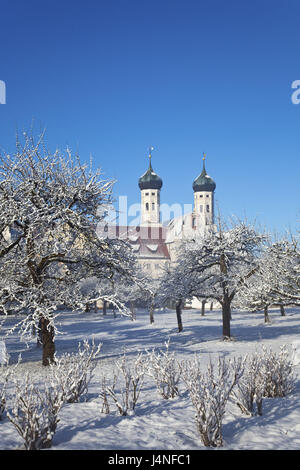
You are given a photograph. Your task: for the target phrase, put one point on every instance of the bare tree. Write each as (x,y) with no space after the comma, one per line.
(221,261)
(276,280)
(177,285)
(53,204)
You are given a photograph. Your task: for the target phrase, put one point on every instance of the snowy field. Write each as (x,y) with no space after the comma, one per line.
(158,423)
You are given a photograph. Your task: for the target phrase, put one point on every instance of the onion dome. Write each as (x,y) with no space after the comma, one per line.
(150,180)
(203,182)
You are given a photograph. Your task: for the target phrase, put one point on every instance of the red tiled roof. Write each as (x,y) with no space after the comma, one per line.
(148,242)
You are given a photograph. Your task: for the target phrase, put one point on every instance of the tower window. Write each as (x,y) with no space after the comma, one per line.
(153,206)
(207,208)
(201,195)
(147,206)
(153,194)
(146,194)
(207,195)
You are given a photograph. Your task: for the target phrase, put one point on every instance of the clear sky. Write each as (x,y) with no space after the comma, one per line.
(110,78)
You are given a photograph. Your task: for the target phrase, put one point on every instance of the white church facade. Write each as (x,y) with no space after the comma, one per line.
(155,243)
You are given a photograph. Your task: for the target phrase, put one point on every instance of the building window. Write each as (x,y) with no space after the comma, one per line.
(207,195)
(201,208)
(201,195)
(146,194)
(153,206)
(207,208)
(153,194)
(147,206)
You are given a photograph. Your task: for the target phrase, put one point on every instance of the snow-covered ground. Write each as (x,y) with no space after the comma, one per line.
(158,423)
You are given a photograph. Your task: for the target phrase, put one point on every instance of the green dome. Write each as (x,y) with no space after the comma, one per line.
(150,180)
(204,182)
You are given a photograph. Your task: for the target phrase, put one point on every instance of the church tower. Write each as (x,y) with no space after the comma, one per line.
(204,187)
(150,185)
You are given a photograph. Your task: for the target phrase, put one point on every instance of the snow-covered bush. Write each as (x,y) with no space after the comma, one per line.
(71,373)
(34,414)
(266,374)
(3,383)
(209,392)
(129,378)
(250,387)
(6,373)
(3,354)
(104,395)
(278,372)
(164,369)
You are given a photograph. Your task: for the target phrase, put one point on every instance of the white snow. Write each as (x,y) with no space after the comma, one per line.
(158,423)
(135,247)
(152,247)
(133,238)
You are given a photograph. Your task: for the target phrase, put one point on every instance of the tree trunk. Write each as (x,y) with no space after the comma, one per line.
(151,312)
(132,309)
(226,316)
(179,316)
(104,307)
(203,308)
(47,335)
(282,311)
(211,306)
(226,310)
(266,314)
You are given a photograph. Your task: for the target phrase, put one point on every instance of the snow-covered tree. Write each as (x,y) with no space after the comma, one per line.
(281,271)
(276,280)
(220,261)
(255,294)
(51,207)
(177,285)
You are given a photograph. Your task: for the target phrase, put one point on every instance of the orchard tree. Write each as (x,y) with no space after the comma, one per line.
(177,285)
(221,261)
(276,280)
(50,205)
(282,271)
(255,294)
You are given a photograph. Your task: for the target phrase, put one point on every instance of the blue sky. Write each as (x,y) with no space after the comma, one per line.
(111,78)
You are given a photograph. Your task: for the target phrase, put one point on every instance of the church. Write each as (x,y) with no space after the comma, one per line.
(155,243)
